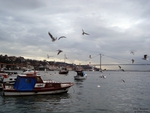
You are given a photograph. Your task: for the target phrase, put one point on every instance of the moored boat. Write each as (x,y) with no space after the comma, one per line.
(34,85)
(63,70)
(30,71)
(80,75)
(2,76)
(6,78)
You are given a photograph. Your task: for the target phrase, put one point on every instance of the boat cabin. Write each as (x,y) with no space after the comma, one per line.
(24,83)
(80,73)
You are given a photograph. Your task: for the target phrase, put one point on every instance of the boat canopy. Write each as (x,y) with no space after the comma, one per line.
(24,83)
(80,73)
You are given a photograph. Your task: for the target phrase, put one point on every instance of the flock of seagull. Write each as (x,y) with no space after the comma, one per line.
(145,57)
(84,33)
(55,38)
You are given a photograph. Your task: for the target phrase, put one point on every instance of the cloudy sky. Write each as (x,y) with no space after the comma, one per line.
(116,28)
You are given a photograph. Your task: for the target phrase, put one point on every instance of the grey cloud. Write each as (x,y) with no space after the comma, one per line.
(115,28)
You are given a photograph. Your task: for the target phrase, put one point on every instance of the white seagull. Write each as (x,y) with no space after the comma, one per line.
(102,70)
(102,76)
(53,39)
(123,80)
(84,32)
(119,66)
(98,86)
(132,52)
(132,61)
(49,56)
(59,51)
(90,56)
(145,57)
(122,69)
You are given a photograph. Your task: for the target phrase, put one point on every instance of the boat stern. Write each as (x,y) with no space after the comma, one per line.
(66,85)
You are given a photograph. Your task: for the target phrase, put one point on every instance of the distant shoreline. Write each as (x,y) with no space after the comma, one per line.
(93,71)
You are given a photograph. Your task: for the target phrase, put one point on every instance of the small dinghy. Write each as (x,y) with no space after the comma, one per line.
(80,75)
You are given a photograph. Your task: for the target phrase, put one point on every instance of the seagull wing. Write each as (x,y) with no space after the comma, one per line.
(53,39)
(50,34)
(120,67)
(86,33)
(145,56)
(59,51)
(123,80)
(132,52)
(82,32)
(61,37)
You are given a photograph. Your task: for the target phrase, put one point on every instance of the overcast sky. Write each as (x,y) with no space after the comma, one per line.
(116,28)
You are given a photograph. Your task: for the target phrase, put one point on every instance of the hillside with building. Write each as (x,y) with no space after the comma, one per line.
(20,63)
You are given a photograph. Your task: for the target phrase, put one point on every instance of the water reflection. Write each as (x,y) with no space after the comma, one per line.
(37,103)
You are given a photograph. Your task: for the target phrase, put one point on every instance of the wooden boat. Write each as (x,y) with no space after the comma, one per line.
(80,75)
(34,85)
(63,70)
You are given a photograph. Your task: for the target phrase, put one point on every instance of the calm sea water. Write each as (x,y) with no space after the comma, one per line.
(93,95)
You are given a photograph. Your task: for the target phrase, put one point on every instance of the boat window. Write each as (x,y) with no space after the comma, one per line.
(56,85)
(38,79)
(50,85)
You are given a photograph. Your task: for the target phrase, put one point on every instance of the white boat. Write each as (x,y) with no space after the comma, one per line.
(5,78)
(34,85)
(30,71)
(2,76)
(80,75)
(63,70)
(10,79)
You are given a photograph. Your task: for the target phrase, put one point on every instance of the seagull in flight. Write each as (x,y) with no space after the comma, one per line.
(53,39)
(84,32)
(49,56)
(59,51)
(132,52)
(61,37)
(90,56)
(123,80)
(102,76)
(122,69)
(65,56)
(119,66)
(102,70)
(132,61)
(98,86)
(145,57)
